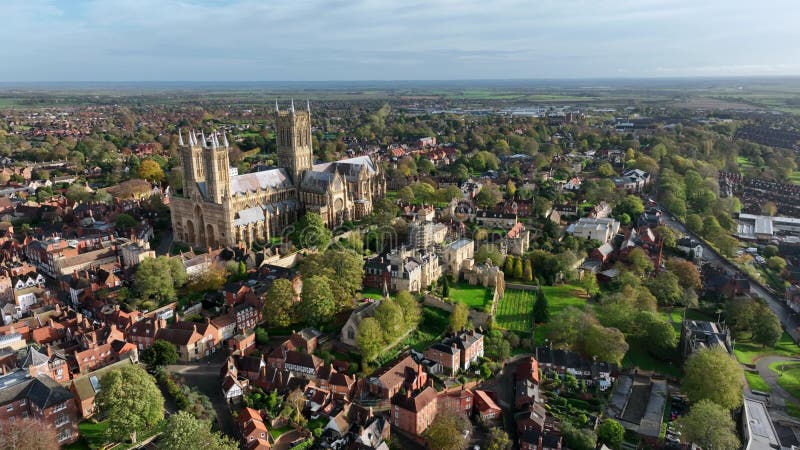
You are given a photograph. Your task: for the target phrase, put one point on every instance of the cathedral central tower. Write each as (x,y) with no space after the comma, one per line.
(293,130)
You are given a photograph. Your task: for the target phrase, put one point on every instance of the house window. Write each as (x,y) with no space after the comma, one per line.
(10,408)
(23,402)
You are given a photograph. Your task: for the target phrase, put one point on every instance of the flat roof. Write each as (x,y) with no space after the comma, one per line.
(761,433)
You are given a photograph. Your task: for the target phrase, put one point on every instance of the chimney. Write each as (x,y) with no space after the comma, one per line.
(161,323)
(194,328)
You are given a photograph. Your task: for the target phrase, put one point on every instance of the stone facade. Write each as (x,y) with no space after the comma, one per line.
(218,207)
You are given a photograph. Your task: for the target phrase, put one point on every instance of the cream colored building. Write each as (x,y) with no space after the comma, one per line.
(219,207)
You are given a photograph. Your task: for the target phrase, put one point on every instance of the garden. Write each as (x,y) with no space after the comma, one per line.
(515,309)
(475,297)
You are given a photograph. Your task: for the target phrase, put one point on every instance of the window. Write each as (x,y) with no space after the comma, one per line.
(10,408)
(23,402)
(60,407)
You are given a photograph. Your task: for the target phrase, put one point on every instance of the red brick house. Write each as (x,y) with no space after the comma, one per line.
(486,408)
(254,432)
(458,401)
(455,353)
(40,398)
(387,381)
(413,411)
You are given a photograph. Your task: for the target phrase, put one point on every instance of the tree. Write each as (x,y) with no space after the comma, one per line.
(608,344)
(489,251)
(161,353)
(211,279)
(497,440)
(27,434)
(739,312)
(124,222)
(712,374)
(527,271)
(639,261)
(488,196)
(589,283)
(459,317)
(317,305)
(186,432)
(262,337)
(766,326)
(406,194)
(776,263)
(769,208)
(310,232)
(158,278)
(518,268)
(445,287)
(131,400)
(659,334)
(611,433)
(280,303)
(630,205)
(412,313)
(390,316)
(578,438)
(151,171)
(769,251)
(508,267)
(541,309)
(370,338)
(695,223)
(686,271)
(666,288)
(667,235)
(709,426)
(605,170)
(447,431)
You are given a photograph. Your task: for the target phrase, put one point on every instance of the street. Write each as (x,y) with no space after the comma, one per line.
(789,319)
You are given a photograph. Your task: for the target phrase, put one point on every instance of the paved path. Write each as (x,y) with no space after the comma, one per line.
(778,396)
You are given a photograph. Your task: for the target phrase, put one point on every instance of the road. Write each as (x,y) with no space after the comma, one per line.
(204,375)
(789,319)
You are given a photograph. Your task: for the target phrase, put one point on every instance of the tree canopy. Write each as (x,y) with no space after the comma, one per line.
(712,374)
(280,304)
(186,432)
(459,317)
(447,431)
(131,400)
(161,353)
(709,425)
(310,232)
(158,278)
(27,434)
(317,305)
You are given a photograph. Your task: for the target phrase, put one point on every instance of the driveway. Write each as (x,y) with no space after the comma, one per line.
(204,375)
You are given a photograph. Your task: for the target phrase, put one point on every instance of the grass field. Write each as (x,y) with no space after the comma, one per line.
(515,311)
(756,383)
(788,377)
(473,296)
(638,356)
(747,352)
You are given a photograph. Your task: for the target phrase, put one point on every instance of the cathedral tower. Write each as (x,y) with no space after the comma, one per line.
(191,162)
(293,130)
(218,168)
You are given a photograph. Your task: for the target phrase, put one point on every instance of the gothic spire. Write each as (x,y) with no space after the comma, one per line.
(276,106)
(203,138)
(308,106)
(192,138)
(225,139)
(292,106)
(214,140)
(180,138)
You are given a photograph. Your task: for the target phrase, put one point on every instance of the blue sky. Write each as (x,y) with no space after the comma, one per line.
(304,40)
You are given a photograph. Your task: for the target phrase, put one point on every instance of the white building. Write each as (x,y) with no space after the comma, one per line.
(602,229)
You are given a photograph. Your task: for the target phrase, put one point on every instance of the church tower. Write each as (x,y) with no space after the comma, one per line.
(293,130)
(191,162)
(218,168)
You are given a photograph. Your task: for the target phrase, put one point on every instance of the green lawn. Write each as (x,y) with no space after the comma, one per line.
(638,356)
(515,310)
(473,296)
(747,352)
(756,383)
(277,432)
(92,436)
(373,293)
(434,324)
(788,377)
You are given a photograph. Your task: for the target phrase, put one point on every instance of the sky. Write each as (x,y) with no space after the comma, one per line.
(321,40)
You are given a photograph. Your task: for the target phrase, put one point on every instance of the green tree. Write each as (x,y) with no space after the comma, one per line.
(769,251)
(489,251)
(508,267)
(630,205)
(459,317)
(125,222)
(280,304)
(709,426)
(667,235)
(578,438)
(262,337)
(445,287)
(712,374)
(686,271)
(766,326)
(186,432)
(406,194)
(447,431)
(776,263)
(151,171)
(498,440)
(158,278)
(640,262)
(518,268)
(695,223)
(412,313)
(659,334)
(390,316)
(666,288)
(541,308)
(131,400)
(310,232)
(161,353)
(605,170)
(589,283)
(608,344)
(527,271)
(488,196)
(739,312)
(317,305)
(611,433)
(370,338)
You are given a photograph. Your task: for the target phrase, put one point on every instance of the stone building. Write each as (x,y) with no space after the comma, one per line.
(219,207)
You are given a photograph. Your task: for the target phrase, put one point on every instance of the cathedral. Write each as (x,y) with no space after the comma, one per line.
(220,207)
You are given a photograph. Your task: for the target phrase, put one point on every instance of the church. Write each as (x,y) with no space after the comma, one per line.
(218,207)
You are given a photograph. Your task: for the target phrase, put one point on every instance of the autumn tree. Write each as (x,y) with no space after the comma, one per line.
(712,374)
(280,303)
(151,171)
(686,271)
(27,434)
(709,426)
(131,400)
(211,279)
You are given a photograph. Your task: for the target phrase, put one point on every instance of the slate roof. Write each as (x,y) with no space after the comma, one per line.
(417,402)
(42,391)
